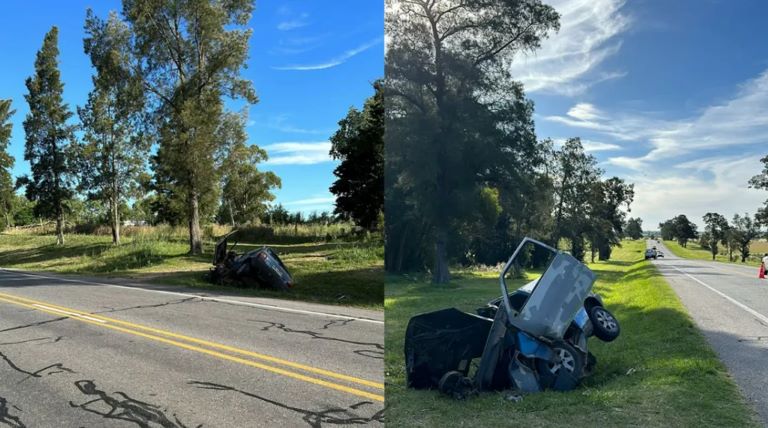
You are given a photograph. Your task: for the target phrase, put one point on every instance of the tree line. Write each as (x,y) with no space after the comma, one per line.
(735,236)
(466,176)
(163,71)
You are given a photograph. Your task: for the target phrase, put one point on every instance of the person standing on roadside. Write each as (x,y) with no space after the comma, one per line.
(763,266)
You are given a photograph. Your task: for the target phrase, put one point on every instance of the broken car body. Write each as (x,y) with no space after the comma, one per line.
(260,267)
(530,340)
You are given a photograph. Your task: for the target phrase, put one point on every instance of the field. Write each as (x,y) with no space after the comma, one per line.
(335,271)
(659,372)
(694,251)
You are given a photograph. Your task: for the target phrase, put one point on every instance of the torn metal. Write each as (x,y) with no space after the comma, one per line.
(532,339)
(257,268)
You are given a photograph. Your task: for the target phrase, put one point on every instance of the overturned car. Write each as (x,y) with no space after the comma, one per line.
(257,268)
(532,339)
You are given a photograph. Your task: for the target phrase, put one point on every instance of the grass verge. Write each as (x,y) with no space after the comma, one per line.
(345,273)
(659,372)
(693,250)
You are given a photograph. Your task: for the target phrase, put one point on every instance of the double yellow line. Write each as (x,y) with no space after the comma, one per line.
(225,352)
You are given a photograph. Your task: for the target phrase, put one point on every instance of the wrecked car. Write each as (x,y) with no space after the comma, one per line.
(529,340)
(257,268)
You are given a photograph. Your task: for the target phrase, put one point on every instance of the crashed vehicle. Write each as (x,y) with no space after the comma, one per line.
(257,268)
(530,340)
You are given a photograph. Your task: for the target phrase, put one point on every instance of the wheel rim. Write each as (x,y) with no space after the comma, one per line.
(605,320)
(566,361)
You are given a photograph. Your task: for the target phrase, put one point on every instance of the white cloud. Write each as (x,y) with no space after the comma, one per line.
(567,61)
(714,184)
(298,153)
(292,24)
(590,145)
(316,201)
(337,60)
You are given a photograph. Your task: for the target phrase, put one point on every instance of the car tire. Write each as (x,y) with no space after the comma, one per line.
(604,325)
(571,360)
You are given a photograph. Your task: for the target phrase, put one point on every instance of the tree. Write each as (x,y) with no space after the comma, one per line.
(359,145)
(634,228)
(684,230)
(744,230)
(7,195)
(716,229)
(115,151)
(667,230)
(246,190)
(455,116)
(189,55)
(605,215)
(48,138)
(760,181)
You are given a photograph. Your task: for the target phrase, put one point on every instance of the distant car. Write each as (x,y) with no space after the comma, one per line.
(659,254)
(651,254)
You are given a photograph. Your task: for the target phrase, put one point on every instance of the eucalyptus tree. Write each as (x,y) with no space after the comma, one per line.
(115,150)
(743,230)
(716,229)
(634,228)
(454,113)
(48,147)
(189,55)
(7,195)
(760,181)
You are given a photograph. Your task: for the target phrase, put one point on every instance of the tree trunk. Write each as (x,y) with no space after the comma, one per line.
(195,241)
(115,221)
(60,228)
(440,274)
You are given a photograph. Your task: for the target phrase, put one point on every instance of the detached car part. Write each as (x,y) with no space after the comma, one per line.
(532,339)
(261,267)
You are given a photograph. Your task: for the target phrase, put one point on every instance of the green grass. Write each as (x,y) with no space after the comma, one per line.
(345,273)
(694,251)
(659,372)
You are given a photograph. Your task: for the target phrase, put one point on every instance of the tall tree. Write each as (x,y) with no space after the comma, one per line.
(454,112)
(634,228)
(744,230)
(48,138)
(115,150)
(359,145)
(716,229)
(684,230)
(7,195)
(760,181)
(606,217)
(189,54)
(246,191)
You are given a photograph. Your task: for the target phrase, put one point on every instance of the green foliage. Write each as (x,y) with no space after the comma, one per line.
(359,145)
(679,228)
(48,138)
(245,190)
(189,55)
(456,119)
(741,233)
(760,181)
(634,228)
(7,194)
(716,229)
(114,152)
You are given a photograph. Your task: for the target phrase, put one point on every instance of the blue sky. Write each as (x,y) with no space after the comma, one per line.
(309,61)
(672,96)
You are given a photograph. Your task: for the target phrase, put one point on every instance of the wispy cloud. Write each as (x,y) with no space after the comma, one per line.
(281,123)
(298,153)
(740,121)
(590,145)
(567,62)
(335,61)
(292,24)
(311,201)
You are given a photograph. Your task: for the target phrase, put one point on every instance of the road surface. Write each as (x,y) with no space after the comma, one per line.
(85,353)
(730,306)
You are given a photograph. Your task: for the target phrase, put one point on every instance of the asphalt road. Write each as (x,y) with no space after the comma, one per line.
(85,353)
(730,306)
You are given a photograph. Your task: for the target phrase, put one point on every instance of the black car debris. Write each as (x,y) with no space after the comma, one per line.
(256,268)
(530,340)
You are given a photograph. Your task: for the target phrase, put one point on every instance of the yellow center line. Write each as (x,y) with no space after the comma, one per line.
(106,323)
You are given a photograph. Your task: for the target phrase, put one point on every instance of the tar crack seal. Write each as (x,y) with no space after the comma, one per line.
(120,406)
(315,419)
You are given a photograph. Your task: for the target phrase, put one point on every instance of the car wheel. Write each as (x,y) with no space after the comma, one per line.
(604,324)
(565,374)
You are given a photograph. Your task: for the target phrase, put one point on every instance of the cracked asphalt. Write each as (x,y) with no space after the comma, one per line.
(729,304)
(89,353)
